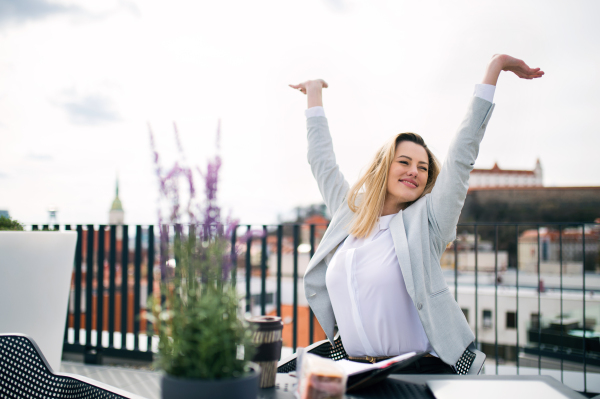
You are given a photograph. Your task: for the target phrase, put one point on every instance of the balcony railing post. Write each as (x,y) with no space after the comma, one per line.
(311,316)
(517,295)
(584,321)
(496,295)
(476,288)
(279,249)
(539,302)
(66,338)
(562,346)
(295,279)
(137,287)
(456,269)
(248,268)
(112,277)
(77,315)
(100,288)
(124,285)
(150,287)
(89,286)
(263,271)
(234,255)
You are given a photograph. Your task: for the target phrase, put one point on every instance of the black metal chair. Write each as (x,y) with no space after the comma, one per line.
(470,363)
(25,373)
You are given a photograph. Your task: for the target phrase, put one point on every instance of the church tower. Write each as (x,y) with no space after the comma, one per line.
(116,214)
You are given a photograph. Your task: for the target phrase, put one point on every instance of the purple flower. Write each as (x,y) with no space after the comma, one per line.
(210,237)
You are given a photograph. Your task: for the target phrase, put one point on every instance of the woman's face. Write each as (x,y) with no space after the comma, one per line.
(408,172)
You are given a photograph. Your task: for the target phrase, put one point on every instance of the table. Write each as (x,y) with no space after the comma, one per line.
(413,386)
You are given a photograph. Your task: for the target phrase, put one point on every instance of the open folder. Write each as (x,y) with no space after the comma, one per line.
(361,375)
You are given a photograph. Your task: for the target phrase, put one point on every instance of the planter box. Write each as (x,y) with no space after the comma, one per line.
(35,277)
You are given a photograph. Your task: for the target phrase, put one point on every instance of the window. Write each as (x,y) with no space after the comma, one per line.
(511,320)
(466,313)
(487,319)
(535,321)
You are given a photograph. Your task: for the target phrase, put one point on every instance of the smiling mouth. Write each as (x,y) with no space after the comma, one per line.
(409,184)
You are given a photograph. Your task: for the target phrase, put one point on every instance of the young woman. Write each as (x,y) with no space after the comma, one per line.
(376,272)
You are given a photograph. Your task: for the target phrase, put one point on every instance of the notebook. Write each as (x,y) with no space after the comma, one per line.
(361,375)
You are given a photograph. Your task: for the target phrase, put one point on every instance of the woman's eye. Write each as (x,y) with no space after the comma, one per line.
(404,162)
(424,169)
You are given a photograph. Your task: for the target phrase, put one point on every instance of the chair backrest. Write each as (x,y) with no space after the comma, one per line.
(24,373)
(35,279)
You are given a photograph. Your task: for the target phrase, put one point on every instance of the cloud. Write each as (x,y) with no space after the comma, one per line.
(337,5)
(94,109)
(3,175)
(131,7)
(20,11)
(40,157)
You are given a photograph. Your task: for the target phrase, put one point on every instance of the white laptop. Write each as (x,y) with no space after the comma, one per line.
(492,389)
(35,279)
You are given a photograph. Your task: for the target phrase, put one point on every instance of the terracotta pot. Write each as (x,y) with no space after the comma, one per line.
(245,387)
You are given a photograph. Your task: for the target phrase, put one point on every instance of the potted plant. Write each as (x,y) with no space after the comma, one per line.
(35,277)
(204,343)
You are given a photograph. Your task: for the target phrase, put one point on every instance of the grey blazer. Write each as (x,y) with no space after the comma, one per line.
(420,233)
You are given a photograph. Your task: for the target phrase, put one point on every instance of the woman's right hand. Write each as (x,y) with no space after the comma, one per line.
(310,85)
(314,91)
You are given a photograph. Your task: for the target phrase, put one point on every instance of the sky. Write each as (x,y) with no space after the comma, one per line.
(81,82)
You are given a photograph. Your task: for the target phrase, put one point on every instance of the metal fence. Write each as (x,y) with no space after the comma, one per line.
(120,265)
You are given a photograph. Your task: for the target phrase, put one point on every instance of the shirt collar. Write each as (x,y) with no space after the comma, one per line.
(384,221)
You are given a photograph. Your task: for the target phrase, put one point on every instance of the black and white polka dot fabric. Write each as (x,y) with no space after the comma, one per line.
(464,363)
(24,374)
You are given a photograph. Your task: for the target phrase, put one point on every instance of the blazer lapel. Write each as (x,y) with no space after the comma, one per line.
(401,246)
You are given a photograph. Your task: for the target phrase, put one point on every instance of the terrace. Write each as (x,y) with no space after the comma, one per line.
(528,291)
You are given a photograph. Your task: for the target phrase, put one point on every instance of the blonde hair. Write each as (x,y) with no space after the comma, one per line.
(375,180)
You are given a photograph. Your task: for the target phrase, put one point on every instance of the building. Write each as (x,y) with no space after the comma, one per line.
(531,204)
(4,213)
(485,258)
(497,177)
(549,243)
(116,215)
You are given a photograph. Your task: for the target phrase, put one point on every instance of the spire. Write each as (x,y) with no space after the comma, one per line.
(116,205)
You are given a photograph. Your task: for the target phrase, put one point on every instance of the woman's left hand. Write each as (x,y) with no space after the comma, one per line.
(504,62)
(519,67)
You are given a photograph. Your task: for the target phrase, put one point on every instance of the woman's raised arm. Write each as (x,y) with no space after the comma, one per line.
(448,196)
(321,157)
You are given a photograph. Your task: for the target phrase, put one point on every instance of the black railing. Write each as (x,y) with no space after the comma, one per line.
(272,270)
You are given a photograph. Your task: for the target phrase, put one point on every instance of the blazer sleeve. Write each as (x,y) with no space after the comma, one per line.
(331,181)
(448,195)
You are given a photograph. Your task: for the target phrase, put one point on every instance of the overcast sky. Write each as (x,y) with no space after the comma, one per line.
(81,80)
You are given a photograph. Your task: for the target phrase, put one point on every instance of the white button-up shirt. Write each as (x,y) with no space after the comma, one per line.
(374,313)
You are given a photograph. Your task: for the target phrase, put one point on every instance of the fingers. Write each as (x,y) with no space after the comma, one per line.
(318,83)
(301,87)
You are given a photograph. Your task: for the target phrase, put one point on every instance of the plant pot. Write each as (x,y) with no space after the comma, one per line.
(245,387)
(35,276)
